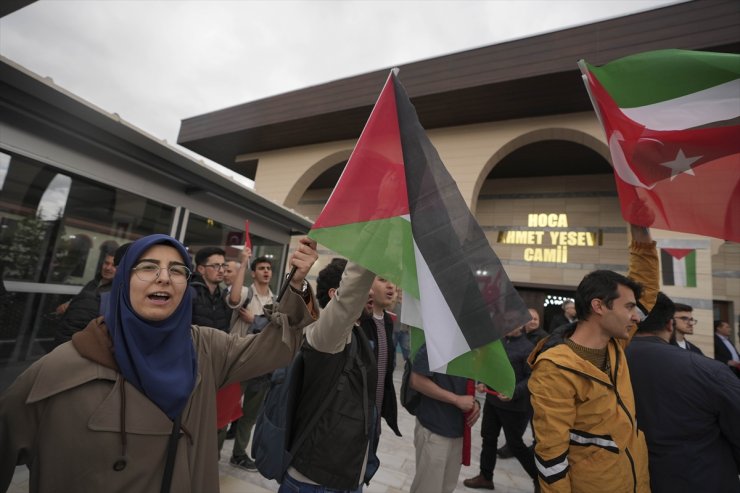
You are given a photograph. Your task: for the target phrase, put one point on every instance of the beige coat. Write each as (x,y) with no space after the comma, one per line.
(62,416)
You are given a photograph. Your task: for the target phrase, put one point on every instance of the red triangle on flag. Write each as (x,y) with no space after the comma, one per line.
(373,184)
(678,253)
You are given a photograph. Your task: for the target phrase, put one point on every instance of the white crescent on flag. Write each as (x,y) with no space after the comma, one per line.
(619,161)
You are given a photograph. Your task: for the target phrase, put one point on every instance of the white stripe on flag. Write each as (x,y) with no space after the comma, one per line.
(715,104)
(411,312)
(679,271)
(444,340)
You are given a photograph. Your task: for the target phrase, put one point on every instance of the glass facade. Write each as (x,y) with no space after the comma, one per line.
(55,230)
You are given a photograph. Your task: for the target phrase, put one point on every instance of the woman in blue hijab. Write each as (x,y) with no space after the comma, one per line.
(137,387)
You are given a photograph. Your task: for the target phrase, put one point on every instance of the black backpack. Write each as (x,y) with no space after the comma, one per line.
(410,398)
(273,448)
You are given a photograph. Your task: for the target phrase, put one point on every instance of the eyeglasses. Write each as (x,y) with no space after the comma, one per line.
(217,266)
(688,320)
(149,271)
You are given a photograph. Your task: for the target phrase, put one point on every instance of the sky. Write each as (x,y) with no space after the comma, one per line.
(156,62)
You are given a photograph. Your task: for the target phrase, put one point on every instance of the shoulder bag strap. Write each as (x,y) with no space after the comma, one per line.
(171,453)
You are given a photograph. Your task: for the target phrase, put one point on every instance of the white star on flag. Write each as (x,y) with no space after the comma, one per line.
(681,164)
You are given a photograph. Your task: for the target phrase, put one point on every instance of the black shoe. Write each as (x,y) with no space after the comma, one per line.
(243,462)
(504,452)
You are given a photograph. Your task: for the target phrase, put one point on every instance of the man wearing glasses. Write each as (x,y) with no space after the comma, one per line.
(684,323)
(209,306)
(210,310)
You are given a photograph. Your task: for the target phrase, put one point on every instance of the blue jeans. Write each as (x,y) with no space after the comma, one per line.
(291,485)
(401,338)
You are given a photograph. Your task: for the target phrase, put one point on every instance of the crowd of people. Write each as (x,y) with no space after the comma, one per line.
(160,354)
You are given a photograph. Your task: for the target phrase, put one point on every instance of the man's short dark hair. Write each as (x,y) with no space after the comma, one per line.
(108,249)
(680,307)
(202,256)
(329,278)
(717,323)
(120,252)
(259,260)
(601,284)
(659,316)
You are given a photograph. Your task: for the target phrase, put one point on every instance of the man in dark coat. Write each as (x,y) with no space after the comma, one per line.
(511,414)
(532,329)
(89,302)
(687,406)
(724,350)
(378,327)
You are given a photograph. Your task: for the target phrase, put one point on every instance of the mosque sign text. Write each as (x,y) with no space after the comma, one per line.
(547,238)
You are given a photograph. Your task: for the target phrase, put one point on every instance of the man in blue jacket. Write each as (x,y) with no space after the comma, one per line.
(687,406)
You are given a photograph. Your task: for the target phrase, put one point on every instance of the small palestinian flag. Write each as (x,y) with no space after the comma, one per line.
(672,123)
(397,212)
(678,266)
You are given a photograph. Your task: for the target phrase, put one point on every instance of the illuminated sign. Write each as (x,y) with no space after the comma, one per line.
(555,240)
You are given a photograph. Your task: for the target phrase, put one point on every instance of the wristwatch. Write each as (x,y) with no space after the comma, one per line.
(303,292)
(304,287)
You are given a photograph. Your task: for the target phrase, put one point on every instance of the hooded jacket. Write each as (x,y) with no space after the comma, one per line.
(586,433)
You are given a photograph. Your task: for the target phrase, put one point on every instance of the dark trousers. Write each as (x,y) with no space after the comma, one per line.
(514,423)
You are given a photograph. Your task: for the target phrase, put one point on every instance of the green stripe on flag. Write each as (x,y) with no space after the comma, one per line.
(690,263)
(384,247)
(488,364)
(656,76)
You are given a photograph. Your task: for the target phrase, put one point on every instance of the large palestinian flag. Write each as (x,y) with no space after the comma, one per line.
(397,212)
(672,122)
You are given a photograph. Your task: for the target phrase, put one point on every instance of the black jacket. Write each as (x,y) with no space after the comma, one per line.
(722,354)
(390,405)
(535,336)
(557,320)
(688,407)
(333,453)
(84,307)
(209,310)
(689,347)
(517,349)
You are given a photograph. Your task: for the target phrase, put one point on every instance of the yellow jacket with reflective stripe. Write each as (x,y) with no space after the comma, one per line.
(585,427)
(586,434)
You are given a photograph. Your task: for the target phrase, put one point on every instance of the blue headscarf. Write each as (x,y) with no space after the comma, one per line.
(158,358)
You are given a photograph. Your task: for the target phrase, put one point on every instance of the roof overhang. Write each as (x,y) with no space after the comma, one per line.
(10,6)
(19,87)
(529,77)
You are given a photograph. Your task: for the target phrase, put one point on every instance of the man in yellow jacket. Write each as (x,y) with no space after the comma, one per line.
(586,435)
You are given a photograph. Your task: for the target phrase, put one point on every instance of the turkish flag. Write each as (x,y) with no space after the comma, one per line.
(679,180)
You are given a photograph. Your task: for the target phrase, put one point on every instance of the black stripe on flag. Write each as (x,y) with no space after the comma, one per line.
(666,264)
(452,242)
